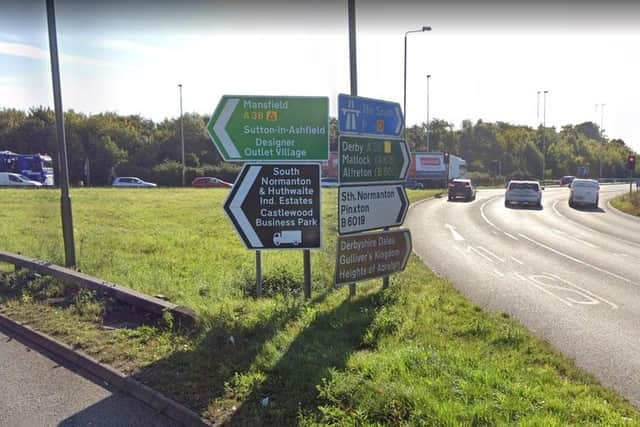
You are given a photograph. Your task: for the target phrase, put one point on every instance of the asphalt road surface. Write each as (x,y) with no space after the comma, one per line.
(570,275)
(37,391)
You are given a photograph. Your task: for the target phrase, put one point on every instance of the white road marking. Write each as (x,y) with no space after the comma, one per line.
(498,273)
(591,229)
(524,279)
(517,260)
(454,233)
(614,306)
(471,248)
(579,261)
(485,217)
(511,236)
(491,253)
(568,236)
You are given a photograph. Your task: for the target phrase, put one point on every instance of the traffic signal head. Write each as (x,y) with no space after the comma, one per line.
(631,162)
(446,157)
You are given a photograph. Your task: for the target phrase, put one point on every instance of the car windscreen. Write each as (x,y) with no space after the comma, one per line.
(524,186)
(585,184)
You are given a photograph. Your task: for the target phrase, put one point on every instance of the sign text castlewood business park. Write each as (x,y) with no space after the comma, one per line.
(271,128)
(277,205)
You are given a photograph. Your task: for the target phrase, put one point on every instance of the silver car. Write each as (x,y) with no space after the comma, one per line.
(131,182)
(523,192)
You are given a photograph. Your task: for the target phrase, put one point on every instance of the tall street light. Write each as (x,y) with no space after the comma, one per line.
(404,104)
(544,131)
(428,122)
(63,165)
(601,137)
(182,135)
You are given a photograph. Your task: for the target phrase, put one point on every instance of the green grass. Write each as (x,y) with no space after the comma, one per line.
(416,353)
(628,204)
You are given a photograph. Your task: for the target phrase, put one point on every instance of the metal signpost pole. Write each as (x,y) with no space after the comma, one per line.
(307,273)
(65,199)
(354,75)
(258,274)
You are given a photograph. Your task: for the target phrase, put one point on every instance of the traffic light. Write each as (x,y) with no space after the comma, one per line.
(446,157)
(631,162)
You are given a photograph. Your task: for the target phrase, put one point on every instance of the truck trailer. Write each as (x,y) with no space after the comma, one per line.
(431,170)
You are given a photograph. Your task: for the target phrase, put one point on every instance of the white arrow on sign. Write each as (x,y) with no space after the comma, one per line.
(235,206)
(399,118)
(406,159)
(220,127)
(368,207)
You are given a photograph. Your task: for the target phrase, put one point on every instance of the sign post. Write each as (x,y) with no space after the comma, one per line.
(277,206)
(271,128)
(368,160)
(358,115)
(371,255)
(363,208)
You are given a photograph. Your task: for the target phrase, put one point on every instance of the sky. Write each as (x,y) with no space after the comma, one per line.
(487,60)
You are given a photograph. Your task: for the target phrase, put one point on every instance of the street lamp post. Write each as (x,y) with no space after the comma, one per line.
(544,131)
(601,138)
(182,137)
(404,103)
(428,122)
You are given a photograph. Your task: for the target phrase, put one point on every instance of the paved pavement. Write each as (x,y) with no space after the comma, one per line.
(569,275)
(37,391)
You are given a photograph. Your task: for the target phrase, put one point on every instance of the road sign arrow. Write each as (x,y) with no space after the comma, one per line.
(367,116)
(369,160)
(277,206)
(362,208)
(271,128)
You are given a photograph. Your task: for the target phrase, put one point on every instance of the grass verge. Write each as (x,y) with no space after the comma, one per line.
(416,353)
(628,204)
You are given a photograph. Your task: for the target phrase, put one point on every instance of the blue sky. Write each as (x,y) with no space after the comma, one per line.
(486,62)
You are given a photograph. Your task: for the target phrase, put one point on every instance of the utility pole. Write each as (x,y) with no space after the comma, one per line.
(63,166)
(182,137)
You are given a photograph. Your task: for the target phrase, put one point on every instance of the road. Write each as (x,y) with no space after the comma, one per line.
(37,391)
(570,276)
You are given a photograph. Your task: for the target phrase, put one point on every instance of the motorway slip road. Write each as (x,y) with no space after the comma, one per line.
(37,391)
(570,275)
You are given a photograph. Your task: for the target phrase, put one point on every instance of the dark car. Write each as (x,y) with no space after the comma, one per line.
(567,180)
(460,187)
(412,184)
(207,181)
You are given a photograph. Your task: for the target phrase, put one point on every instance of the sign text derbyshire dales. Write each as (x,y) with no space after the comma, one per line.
(272,128)
(277,206)
(371,255)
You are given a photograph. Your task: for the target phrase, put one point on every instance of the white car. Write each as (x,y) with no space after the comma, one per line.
(9,179)
(130,181)
(523,192)
(584,192)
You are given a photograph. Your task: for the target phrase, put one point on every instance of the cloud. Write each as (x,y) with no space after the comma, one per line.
(134,47)
(34,52)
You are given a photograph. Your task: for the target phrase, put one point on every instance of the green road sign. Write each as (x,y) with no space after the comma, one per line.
(271,128)
(369,160)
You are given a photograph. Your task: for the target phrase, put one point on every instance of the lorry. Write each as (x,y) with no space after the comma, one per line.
(431,170)
(287,237)
(35,167)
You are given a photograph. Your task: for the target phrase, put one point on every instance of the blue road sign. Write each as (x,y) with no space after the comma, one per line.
(357,115)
